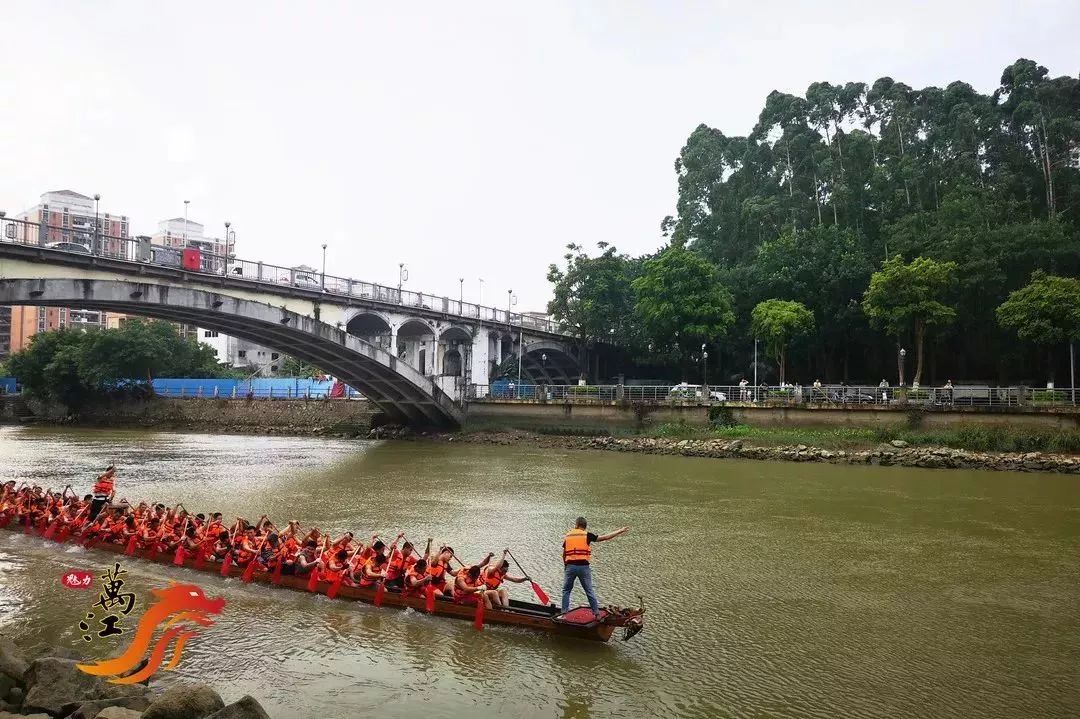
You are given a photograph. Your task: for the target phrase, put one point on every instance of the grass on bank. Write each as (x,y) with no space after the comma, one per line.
(975,438)
(970,437)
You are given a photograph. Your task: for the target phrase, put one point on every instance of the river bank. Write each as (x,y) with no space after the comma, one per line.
(52,686)
(897,452)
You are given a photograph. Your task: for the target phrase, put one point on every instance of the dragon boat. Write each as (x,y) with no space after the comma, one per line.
(579,623)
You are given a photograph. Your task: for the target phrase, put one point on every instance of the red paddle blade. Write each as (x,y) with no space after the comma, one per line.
(478,621)
(226,563)
(276,579)
(249,571)
(199,558)
(429,599)
(153,551)
(178,558)
(41,526)
(334,587)
(26,529)
(539,593)
(51,530)
(313,579)
(131,546)
(379,592)
(64,534)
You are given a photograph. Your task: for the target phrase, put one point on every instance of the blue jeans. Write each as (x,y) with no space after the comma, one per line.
(583,574)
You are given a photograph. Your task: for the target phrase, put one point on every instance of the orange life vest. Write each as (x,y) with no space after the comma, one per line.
(492,576)
(575,546)
(437,572)
(399,563)
(366,580)
(104,485)
(461,595)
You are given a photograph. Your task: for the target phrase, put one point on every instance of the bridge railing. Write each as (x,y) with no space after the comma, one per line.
(82,240)
(930,398)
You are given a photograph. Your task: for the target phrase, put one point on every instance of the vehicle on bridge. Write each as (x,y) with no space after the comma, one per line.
(303,276)
(684,391)
(70,247)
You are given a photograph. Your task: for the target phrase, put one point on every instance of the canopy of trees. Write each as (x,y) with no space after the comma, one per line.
(1044,312)
(830,184)
(74,367)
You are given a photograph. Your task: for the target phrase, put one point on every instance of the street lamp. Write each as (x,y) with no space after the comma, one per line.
(402,275)
(755,369)
(461,295)
(324,266)
(96,245)
(186,203)
(511,300)
(230,238)
(900,364)
(705,370)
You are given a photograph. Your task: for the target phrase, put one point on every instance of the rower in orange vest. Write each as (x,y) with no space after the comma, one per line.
(577,552)
(494,575)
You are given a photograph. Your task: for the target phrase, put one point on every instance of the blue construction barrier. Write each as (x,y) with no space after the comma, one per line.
(261,388)
(8,385)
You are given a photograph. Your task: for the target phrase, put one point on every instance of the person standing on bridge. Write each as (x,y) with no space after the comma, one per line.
(577,552)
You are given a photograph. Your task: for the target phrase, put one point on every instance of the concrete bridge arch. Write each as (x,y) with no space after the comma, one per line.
(401,391)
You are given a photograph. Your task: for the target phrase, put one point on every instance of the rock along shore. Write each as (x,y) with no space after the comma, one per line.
(51,687)
(896,453)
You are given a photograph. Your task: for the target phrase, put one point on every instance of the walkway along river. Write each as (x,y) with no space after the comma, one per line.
(774,589)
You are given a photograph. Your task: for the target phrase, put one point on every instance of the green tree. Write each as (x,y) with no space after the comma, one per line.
(292,367)
(73,367)
(680,302)
(1044,312)
(911,297)
(777,322)
(592,295)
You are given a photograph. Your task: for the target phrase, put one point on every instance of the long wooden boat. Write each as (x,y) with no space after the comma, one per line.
(578,623)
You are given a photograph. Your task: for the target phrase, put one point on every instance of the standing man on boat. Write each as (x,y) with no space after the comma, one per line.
(104,490)
(577,552)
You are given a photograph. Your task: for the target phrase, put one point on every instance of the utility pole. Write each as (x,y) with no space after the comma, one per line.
(755,369)
(96,244)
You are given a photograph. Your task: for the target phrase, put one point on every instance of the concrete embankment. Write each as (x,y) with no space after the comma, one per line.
(347,418)
(52,686)
(897,453)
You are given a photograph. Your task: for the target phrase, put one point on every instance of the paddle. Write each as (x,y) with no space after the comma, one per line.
(227,561)
(332,592)
(45,515)
(540,594)
(180,556)
(276,578)
(429,597)
(69,527)
(52,525)
(381,589)
(249,570)
(313,579)
(478,620)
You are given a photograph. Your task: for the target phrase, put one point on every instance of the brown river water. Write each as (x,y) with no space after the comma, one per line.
(773,589)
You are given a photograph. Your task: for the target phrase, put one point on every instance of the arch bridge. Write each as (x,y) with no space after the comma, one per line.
(415,361)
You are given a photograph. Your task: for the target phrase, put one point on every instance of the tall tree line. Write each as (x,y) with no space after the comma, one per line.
(829,185)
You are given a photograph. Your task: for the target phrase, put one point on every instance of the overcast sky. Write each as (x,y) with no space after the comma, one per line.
(465,139)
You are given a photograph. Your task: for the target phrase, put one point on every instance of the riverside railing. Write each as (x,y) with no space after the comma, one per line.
(83,240)
(944,398)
